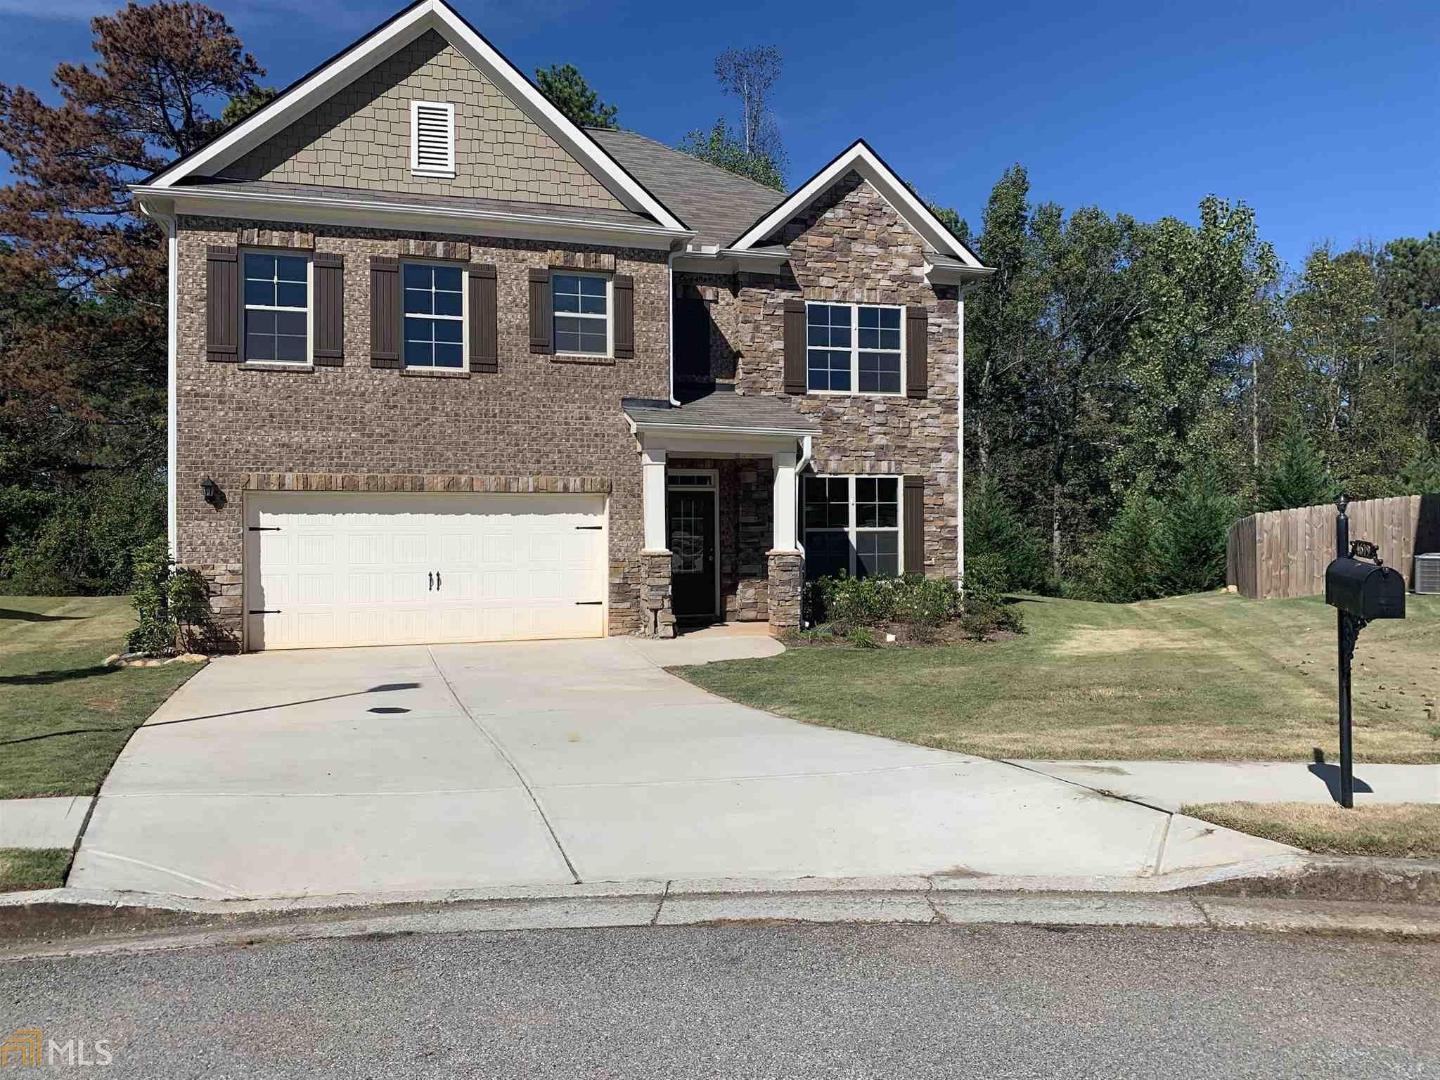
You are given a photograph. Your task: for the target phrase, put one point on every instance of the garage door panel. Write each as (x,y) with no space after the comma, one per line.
(336,569)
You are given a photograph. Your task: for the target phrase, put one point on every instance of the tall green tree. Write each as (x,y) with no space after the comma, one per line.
(82,273)
(569,92)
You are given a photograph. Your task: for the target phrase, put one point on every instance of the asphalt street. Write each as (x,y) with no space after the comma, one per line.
(744,1001)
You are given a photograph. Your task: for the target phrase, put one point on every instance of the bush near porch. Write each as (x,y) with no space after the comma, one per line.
(914,609)
(1206,677)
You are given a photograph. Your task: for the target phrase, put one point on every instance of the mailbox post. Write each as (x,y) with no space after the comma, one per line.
(1361,588)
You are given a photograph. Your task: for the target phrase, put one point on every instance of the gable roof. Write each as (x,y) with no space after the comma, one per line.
(863,160)
(407,25)
(716,203)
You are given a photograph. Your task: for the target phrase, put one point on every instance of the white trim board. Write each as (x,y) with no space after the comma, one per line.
(375,47)
(863,160)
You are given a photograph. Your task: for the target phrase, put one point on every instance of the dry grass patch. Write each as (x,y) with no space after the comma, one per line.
(1402,830)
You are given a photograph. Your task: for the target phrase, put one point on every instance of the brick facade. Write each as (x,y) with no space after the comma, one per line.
(538,418)
(360,137)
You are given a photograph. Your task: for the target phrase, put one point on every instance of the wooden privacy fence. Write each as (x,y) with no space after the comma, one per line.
(1284,553)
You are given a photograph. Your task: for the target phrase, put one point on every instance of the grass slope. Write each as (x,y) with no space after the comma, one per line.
(64,716)
(1206,677)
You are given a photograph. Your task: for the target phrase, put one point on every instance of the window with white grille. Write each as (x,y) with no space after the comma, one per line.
(432,138)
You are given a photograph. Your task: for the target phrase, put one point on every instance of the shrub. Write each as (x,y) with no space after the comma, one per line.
(79,542)
(995,530)
(985,609)
(1197,516)
(173,603)
(1127,564)
(1296,475)
(863,637)
(847,602)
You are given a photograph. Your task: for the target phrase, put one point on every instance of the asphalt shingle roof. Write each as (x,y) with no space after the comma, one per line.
(717,204)
(722,409)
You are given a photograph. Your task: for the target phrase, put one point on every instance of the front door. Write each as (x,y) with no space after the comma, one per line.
(691,511)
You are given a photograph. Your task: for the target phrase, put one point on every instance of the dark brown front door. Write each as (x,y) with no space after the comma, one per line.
(692,552)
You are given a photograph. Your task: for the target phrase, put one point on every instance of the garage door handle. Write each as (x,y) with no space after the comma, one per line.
(588,603)
(430,581)
(589,528)
(437,580)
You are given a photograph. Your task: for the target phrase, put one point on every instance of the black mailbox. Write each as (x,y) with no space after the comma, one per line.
(1365,589)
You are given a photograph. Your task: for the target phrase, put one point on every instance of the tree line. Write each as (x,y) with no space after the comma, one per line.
(1134,387)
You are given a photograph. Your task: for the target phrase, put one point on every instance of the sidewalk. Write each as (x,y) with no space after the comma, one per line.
(1168,785)
(42,823)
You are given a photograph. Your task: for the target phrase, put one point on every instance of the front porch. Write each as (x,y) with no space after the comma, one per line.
(720,511)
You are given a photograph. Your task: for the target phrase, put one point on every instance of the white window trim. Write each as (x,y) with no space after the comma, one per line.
(245,308)
(464,316)
(416,169)
(855,350)
(609,315)
(851,529)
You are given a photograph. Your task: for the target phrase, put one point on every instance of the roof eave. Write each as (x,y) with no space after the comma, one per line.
(362,212)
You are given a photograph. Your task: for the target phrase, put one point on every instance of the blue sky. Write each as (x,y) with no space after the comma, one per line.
(1323,116)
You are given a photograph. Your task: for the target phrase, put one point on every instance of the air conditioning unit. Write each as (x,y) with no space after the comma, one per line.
(1427,573)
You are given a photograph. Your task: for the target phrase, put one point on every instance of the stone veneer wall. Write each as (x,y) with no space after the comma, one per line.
(787,581)
(360,137)
(537,419)
(657,617)
(852,246)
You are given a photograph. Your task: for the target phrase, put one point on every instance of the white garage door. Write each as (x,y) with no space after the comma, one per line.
(330,569)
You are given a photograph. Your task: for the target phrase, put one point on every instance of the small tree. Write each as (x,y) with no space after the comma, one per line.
(1128,562)
(1197,515)
(1296,475)
(750,74)
(722,147)
(994,531)
(172,604)
(1421,474)
(569,92)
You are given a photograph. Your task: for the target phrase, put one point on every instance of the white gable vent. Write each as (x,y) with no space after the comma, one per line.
(432,138)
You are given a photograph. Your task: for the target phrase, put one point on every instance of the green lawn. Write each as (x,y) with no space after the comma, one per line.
(64,715)
(1208,677)
(33,868)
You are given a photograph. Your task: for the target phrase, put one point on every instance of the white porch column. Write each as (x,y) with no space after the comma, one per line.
(784,510)
(652,473)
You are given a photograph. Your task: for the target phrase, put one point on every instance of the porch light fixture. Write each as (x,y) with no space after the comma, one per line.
(212,493)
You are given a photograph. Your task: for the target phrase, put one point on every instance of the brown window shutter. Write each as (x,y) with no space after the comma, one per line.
(542,320)
(795,346)
(222,304)
(917,348)
(329,309)
(913,507)
(624,289)
(484,319)
(384,311)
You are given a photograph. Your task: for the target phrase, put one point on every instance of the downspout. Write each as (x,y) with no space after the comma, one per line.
(670,307)
(172,291)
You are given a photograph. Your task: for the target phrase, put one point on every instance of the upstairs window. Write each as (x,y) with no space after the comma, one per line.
(432,138)
(582,313)
(277,308)
(434,307)
(852,526)
(853,348)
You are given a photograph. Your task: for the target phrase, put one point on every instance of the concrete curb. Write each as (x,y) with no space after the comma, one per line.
(1387,897)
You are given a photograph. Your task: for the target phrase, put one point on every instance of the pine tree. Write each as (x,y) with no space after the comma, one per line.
(568,91)
(1196,518)
(1297,475)
(1129,563)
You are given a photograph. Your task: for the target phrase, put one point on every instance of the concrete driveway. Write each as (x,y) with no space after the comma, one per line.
(470,766)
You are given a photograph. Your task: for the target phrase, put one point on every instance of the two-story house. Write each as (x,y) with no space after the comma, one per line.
(446,367)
